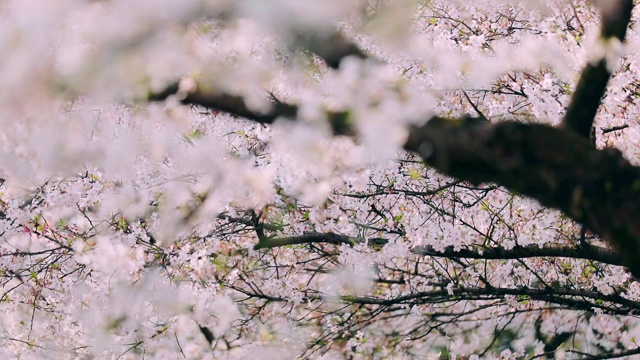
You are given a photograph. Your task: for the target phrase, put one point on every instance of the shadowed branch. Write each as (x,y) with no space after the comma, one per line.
(585,100)
(587,252)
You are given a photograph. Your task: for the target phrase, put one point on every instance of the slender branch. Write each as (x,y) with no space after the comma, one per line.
(571,298)
(198,94)
(248,222)
(614,128)
(560,295)
(588,252)
(474,106)
(614,355)
(585,101)
(389,191)
(313,237)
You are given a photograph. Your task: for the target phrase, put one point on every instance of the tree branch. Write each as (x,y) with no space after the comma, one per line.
(212,99)
(585,101)
(333,47)
(614,128)
(314,237)
(574,298)
(606,356)
(588,252)
(559,168)
(594,253)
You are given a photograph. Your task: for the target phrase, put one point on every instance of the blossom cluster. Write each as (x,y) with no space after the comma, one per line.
(131,228)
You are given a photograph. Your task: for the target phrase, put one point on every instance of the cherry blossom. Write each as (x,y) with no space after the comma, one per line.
(356,179)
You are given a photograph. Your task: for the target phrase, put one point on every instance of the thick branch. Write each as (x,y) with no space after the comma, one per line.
(331,46)
(585,101)
(594,253)
(559,168)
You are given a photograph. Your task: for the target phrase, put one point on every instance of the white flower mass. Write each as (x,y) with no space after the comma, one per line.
(135,225)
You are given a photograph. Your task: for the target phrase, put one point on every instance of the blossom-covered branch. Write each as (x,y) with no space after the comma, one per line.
(204,234)
(193,93)
(555,166)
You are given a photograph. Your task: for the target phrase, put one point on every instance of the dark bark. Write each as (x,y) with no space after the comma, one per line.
(212,99)
(572,298)
(235,105)
(585,100)
(559,168)
(588,252)
(333,47)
